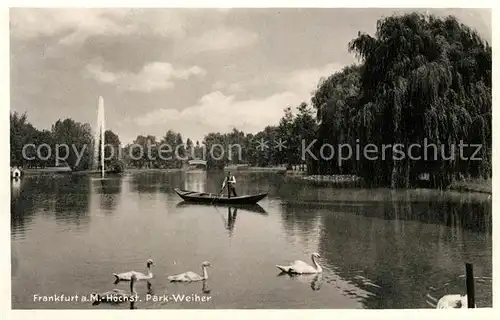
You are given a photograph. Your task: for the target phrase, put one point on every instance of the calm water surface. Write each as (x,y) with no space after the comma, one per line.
(379,248)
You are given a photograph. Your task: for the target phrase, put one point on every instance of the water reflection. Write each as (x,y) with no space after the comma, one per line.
(384,258)
(15,188)
(228,213)
(14,260)
(204,288)
(313,280)
(149,291)
(196,181)
(20,207)
(301,224)
(255,208)
(154,182)
(381,249)
(65,197)
(231,219)
(71,197)
(461,214)
(109,190)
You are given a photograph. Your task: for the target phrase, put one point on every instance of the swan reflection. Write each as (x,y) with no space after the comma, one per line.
(150,288)
(314,280)
(205,288)
(117,296)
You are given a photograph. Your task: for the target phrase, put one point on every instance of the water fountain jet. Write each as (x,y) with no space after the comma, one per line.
(99,137)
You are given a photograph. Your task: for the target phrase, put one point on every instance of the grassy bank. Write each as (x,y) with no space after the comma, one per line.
(337,181)
(33,172)
(348,181)
(256,169)
(133,170)
(475,185)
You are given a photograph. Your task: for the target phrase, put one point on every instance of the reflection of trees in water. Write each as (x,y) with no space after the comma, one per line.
(259,182)
(297,191)
(157,181)
(299,220)
(20,206)
(72,199)
(246,182)
(458,215)
(401,257)
(14,261)
(195,181)
(109,191)
(65,196)
(206,181)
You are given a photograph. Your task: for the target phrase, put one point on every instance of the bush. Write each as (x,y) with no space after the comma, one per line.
(116,166)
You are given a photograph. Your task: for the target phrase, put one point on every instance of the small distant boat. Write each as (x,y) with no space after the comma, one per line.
(15,173)
(201,197)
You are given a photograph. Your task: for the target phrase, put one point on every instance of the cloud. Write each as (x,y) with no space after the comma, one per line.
(219,39)
(301,82)
(153,76)
(217,112)
(305,81)
(74,26)
(230,87)
(188,31)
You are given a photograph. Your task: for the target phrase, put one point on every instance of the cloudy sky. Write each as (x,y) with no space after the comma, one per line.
(189,70)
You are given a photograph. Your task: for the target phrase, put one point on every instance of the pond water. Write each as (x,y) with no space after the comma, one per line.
(379,248)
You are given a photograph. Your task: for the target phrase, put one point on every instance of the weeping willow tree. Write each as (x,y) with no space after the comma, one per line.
(336,99)
(424,81)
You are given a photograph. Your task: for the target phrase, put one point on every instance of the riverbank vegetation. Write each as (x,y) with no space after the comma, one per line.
(473,185)
(421,80)
(41,145)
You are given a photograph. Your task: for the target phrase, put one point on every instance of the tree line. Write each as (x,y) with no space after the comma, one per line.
(148,151)
(421,79)
(41,147)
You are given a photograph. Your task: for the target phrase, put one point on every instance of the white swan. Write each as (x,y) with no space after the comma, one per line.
(117,296)
(191,276)
(300,267)
(453,301)
(127,276)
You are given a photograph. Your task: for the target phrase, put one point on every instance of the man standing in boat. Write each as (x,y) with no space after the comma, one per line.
(230,181)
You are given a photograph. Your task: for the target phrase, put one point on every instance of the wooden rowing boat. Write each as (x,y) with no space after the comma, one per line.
(201,197)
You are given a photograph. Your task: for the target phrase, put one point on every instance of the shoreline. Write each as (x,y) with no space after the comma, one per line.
(350,181)
(336,181)
(479,185)
(256,169)
(290,176)
(33,172)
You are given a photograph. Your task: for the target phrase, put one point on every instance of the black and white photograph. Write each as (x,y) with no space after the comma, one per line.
(250,158)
